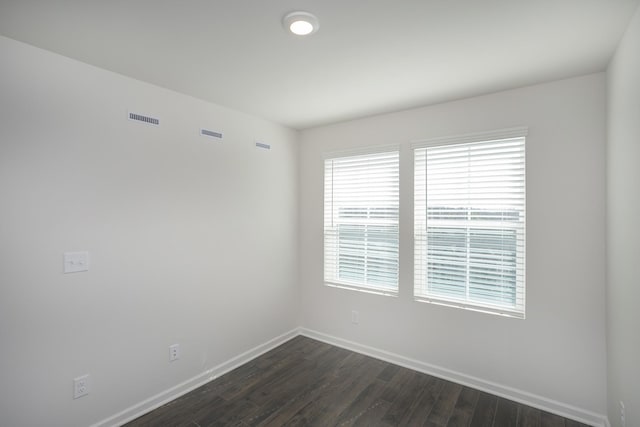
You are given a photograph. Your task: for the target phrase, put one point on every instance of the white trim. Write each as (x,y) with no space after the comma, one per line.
(564,410)
(568,411)
(361,151)
(368,290)
(479,308)
(176,391)
(516,132)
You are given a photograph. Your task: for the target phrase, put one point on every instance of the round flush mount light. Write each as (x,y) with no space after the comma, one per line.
(300,23)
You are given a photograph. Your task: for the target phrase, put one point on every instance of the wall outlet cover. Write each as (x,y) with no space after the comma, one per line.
(174,352)
(75,262)
(81,386)
(355,317)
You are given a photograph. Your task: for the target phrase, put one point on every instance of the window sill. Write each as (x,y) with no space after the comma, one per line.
(375,291)
(498,311)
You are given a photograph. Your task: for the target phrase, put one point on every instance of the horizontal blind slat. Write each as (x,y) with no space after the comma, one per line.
(469,213)
(361,220)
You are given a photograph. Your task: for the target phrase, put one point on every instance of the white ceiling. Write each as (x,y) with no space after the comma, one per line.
(369,56)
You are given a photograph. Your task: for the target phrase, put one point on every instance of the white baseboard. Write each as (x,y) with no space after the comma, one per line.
(172,393)
(568,411)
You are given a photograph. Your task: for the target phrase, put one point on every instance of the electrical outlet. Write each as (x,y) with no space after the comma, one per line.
(76,261)
(174,352)
(81,386)
(355,317)
(623,420)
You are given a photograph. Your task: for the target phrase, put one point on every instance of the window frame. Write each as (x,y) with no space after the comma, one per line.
(421,230)
(331,240)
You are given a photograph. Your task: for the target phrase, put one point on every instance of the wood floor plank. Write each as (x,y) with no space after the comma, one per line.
(406,399)
(465,406)
(388,372)
(261,379)
(506,413)
(551,420)
(528,417)
(311,383)
(317,351)
(325,408)
(280,383)
(443,407)
(396,384)
(485,411)
(418,404)
(366,401)
(277,413)
(373,415)
(354,387)
(281,406)
(239,375)
(228,414)
(176,413)
(293,346)
(425,403)
(201,411)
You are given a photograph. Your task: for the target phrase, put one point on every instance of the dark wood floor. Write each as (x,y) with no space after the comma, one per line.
(310,383)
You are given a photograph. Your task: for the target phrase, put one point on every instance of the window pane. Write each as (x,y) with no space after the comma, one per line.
(492,266)
(382,255)
(447,259)
(361,221)
(351,257)
(469,224)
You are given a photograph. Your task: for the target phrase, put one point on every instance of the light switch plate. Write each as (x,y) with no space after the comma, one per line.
(76,261)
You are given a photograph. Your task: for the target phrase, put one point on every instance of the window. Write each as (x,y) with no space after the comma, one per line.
(469,223)
(361,221)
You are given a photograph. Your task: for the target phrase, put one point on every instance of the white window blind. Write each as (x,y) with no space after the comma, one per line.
(361,203)
(469,230)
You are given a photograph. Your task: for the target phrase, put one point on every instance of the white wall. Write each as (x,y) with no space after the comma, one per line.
(191,240)
(623,230)
(172,219)
(558,352)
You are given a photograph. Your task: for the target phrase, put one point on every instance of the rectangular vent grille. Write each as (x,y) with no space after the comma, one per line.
(263,145)
(144,119)
(210,133)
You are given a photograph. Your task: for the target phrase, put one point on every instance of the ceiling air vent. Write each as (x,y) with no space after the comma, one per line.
(144,119)
(210,133)
(263,146)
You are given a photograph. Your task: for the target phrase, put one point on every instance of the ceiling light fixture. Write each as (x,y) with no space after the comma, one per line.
(301,23)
